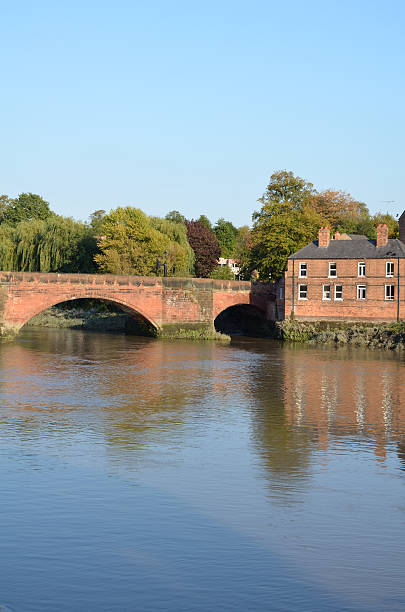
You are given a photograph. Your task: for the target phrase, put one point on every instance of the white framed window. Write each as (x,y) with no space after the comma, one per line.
(332,269)
(361,292)
(303,270)
(281,293)
(361,268)
(302,292)
(326,292)
(338,292)
(389,269)
(390,292)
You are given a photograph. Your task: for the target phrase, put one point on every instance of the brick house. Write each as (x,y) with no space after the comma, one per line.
(346,277)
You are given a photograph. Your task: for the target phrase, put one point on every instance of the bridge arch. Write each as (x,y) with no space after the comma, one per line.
(243,319)
(133,311)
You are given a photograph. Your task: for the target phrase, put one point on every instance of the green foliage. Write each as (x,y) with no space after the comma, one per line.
(222,273)
(8,244)
(371,335)
(367,225)
(205,221)
(392,224)
(175,216)
(55,244)
(243,244)
(285,223)
(286,188)
(225,232)
(177,232)
(96,222)
(132,245)
(26,207)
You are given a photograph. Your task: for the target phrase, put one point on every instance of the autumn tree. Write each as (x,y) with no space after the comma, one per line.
(336,206)
(205,246)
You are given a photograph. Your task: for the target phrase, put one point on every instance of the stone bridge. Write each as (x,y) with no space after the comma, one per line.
(166,303)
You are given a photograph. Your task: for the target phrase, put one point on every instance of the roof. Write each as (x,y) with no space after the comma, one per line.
(359,247)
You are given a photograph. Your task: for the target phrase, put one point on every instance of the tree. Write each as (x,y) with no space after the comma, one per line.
(4,203)
(26,207)
(286,222)
(286,188)
(205,221)
(335,206)
(175,216)
(205,246)
(222,273)
(278,234)
(177,232)
(56,244)
(96,222)
(131,245)
(389,220)
(243,245)
(225,232)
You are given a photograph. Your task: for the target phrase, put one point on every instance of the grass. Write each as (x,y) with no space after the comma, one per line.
(194,334)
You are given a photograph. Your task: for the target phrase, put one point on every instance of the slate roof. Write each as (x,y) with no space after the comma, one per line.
(360,247)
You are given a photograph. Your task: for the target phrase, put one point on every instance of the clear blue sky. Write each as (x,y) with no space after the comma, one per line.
(191,106)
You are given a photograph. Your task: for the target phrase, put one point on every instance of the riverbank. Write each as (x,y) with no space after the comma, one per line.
(371,335)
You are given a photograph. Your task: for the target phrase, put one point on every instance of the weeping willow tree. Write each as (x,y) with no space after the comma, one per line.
(177,232)
(56,244)
(66,246)
(8,250)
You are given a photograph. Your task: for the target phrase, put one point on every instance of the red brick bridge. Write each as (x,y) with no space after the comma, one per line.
(164,302)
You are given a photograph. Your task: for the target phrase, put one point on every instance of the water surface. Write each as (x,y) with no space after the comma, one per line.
(175,476)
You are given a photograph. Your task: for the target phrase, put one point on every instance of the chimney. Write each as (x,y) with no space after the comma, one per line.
(337,235)
(401,222)
(324,237)
(382,235)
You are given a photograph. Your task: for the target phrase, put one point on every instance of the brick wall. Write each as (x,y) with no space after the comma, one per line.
(374,307)
(160,300)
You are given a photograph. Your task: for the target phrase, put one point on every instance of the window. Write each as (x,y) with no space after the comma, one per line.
(281,293)
(332,269)
(326,292)
(389,292)
(389,269)
(338,292)
(361,292)
(303,270)
(361,270)
(302,292)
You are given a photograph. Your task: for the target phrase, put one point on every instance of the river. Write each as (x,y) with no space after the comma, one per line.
(146,475)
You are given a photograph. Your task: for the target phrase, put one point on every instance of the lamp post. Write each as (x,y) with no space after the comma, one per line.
(165,264)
